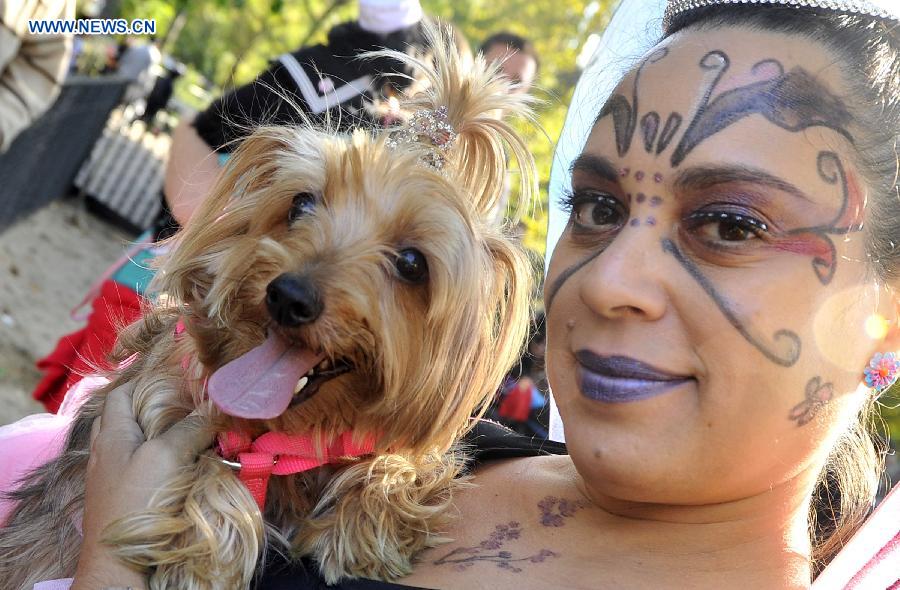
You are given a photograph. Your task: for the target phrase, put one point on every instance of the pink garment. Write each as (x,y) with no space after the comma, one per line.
(871,559)
(34,440)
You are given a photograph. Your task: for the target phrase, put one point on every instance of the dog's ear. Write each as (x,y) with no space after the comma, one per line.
(477,319)
(509,303)
(187,271)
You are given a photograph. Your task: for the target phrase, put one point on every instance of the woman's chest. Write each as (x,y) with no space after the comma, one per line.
(549,547)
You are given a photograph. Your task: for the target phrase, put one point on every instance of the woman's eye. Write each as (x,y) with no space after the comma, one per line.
(594,210)
(728,227)
(303,204)
(411,265)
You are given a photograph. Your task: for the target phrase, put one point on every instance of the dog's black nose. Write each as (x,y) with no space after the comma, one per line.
(292,300)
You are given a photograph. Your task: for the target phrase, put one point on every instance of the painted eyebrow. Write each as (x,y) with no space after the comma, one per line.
(595,165)
(704,177)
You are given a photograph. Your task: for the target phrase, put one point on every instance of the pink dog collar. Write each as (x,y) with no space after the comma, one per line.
(277,453)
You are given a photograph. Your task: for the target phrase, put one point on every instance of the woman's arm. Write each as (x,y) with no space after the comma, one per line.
(191,172)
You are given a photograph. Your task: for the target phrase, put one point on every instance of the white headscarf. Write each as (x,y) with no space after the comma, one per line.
(386,16)
(634,28)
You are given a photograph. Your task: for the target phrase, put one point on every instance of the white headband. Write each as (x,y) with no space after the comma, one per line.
(386,16)
(635,28)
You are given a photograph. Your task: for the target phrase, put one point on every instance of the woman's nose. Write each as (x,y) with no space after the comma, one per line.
(625,280)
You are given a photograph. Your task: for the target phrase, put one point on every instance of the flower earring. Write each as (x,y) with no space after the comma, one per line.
(882,371)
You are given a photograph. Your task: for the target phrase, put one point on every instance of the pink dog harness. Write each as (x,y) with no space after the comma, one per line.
(277,453)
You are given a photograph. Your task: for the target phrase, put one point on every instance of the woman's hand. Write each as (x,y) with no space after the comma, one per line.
(124,472)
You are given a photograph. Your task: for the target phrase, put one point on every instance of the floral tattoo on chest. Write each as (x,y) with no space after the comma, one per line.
(498,548)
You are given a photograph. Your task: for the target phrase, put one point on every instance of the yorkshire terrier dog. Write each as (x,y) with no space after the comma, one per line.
(338,309)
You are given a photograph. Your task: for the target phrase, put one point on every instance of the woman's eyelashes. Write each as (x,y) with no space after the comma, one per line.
(593,210)
(718,225)
(726,226)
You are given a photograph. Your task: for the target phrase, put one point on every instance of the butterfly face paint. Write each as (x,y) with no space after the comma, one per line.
(715,212)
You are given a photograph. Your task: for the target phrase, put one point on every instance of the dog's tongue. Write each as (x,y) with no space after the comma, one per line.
(260,383)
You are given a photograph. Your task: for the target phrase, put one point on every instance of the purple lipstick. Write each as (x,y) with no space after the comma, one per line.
(621,379)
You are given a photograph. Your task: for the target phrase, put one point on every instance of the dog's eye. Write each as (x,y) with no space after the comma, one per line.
(304,204)
(411,265)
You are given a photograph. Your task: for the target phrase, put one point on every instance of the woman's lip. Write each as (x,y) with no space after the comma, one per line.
(623,367)
(615,390)
(619,379)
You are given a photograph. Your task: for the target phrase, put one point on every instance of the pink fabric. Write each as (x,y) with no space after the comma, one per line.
(871,559)
(34,440)
(61,584)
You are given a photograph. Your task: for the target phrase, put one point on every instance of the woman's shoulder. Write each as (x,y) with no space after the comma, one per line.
(491,441)
(498,457)
(508,468)
(511,518)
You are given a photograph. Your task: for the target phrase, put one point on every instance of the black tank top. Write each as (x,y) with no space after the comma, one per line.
(488,441)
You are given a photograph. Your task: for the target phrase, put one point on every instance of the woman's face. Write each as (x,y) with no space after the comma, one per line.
(710,311)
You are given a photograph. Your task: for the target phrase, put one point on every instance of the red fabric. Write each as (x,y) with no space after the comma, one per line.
(516,404)
(80,352)
(277,453)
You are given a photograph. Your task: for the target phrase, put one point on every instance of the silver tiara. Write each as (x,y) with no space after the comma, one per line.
(883,9)
(431,129)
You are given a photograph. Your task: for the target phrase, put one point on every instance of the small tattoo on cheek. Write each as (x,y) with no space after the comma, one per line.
(635,222)
(650,221)
(656,201)
(564,276)
(554,510)
(641,197)
(639,175)
(817,395)
(657,178)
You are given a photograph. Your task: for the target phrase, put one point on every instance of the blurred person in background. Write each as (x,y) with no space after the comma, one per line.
(137,63)
(322,82)
(516,55)
(162,91)
(519,62)
(521,403)
(32,67)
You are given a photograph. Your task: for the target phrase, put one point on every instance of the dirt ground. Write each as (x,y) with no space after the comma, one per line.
(48,262)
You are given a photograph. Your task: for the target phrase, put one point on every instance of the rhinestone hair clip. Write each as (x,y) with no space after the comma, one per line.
(883,9)
(430,128)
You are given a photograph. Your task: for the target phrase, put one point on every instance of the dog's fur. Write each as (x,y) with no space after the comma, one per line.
(424,356)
